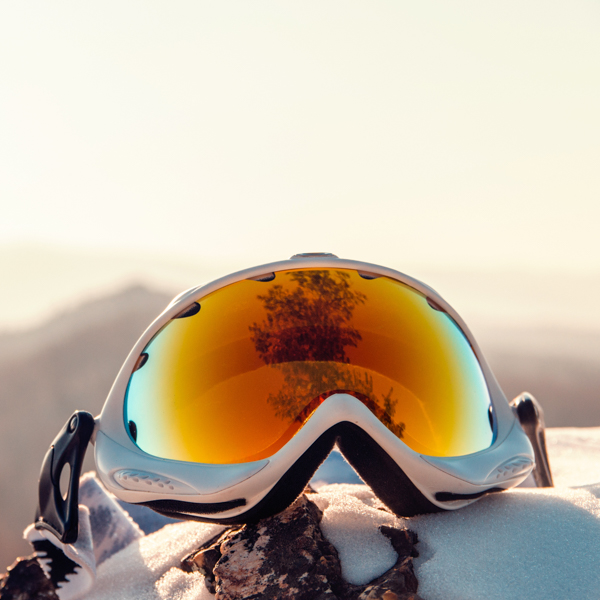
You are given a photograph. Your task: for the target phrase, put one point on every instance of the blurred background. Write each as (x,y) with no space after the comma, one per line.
(146,147)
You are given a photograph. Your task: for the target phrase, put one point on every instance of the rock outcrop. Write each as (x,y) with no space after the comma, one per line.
(286,557)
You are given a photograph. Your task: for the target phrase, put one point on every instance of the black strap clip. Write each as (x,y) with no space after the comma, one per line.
(57,514)
(531,417)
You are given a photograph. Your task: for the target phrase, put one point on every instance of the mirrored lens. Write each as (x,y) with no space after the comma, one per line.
(235,379)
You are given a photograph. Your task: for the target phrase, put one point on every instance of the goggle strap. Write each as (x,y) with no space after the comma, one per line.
(379,471)
(54,513)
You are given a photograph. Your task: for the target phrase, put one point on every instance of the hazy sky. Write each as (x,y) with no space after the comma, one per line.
(453,134)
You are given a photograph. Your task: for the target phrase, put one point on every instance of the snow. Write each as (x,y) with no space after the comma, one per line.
(574,455)
(148,568)
(524,543)
(350,522)
(541,542)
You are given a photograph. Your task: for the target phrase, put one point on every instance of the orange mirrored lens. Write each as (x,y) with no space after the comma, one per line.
(236,380)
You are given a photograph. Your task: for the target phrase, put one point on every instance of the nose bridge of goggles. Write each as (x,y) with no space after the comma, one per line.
(341,419)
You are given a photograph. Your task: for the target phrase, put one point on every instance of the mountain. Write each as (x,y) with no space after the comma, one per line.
(47,373)
(559,366)
(71,361)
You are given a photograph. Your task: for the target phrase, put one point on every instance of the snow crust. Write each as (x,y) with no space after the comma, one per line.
(524,543)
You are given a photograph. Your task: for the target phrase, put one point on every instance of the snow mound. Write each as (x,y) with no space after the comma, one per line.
(351,521)
(525,543)
(148,568)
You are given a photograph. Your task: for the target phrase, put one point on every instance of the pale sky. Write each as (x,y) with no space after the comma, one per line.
(457,135)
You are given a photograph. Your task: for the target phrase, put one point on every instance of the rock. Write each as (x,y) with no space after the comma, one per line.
(25,580)
(205,560)
(286,557)
(400,581)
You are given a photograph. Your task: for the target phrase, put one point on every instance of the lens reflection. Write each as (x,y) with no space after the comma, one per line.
(237,379)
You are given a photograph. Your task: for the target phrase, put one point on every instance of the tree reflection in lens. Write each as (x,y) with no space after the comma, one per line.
(305,336)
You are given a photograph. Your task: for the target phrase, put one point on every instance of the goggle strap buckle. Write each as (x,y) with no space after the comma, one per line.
(54,513)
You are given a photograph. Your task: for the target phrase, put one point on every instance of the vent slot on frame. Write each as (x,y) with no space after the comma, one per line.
(264,278)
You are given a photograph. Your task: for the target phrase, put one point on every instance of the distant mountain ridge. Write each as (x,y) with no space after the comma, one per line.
(560,367)
(93,313)
(48,372)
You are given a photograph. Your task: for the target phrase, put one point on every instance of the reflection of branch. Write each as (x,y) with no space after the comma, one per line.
(307,384)
(312,321)
(305,335)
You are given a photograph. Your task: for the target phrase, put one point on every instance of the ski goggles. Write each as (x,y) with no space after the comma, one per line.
(239,390)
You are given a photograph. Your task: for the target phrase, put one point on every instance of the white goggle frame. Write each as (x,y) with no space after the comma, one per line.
(231,490)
